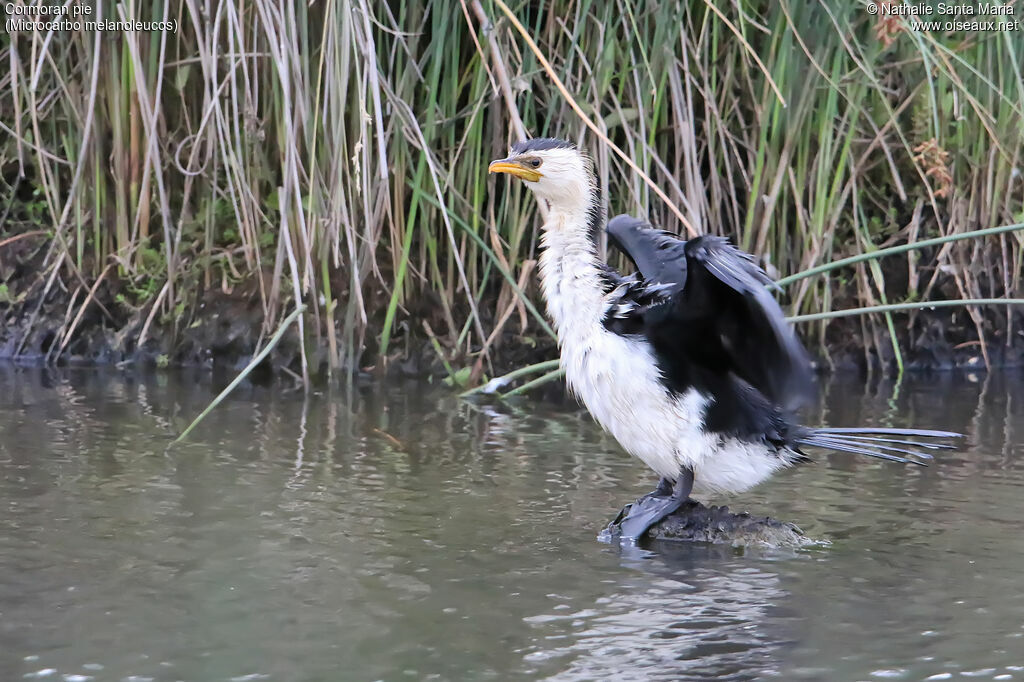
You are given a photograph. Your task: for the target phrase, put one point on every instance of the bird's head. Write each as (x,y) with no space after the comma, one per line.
(554,169)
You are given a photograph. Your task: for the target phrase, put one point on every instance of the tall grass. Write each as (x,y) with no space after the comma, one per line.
(334,153)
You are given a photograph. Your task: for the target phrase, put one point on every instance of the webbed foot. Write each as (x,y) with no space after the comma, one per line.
(635,518)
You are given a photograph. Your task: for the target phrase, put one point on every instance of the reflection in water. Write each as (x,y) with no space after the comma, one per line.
(686,613)
(388,532)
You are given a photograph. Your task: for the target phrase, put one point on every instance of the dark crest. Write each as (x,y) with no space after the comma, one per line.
(541,144)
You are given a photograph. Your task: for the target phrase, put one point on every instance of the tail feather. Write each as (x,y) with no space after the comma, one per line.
(846,447)
(875,442)
(926,433)
(868,439)
(886,447)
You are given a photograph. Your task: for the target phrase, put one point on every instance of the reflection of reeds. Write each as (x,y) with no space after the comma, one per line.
(339,149)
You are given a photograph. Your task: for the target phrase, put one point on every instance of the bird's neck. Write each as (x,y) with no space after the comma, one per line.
(571,271)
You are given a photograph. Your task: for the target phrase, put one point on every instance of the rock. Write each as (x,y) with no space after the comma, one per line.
(694,522)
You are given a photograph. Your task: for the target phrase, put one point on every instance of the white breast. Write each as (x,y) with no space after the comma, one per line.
(618,381)
(615,376)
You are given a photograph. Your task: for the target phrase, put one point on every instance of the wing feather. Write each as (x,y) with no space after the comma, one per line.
(735,322)
(658,255)
(720,315)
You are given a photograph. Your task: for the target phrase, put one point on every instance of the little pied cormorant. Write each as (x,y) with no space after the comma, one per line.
(690,363)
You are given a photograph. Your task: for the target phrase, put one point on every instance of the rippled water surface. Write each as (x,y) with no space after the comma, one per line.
(393,532)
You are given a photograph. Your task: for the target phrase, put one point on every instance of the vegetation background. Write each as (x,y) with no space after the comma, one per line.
(179,193)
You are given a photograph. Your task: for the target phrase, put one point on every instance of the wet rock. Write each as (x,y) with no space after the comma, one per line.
(694,522)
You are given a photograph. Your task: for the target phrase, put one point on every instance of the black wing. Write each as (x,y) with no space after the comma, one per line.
(720,319)
(659,256)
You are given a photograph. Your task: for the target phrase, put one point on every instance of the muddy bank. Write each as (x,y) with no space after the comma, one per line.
(940,339)
(62,321)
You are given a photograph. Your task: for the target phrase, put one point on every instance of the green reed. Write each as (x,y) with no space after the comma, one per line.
(334,154)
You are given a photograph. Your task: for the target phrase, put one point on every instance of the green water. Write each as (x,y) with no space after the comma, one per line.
(395,533)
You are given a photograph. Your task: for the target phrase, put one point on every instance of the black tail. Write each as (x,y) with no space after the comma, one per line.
(880,442)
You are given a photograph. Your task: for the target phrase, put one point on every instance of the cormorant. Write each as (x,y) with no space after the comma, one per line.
(690,363)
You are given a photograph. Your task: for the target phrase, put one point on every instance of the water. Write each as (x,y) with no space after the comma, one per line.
(397,533)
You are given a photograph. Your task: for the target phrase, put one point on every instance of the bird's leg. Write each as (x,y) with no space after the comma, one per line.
(664,489)
(634,519)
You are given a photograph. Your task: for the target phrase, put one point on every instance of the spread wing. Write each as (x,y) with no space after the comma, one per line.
(659,256)
(720,316)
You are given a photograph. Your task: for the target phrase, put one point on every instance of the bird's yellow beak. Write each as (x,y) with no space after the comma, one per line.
(520,170)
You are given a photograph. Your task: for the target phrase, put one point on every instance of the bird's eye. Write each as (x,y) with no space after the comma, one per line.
(534,163)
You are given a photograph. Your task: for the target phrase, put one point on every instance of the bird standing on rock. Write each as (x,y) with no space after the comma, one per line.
(690,363)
